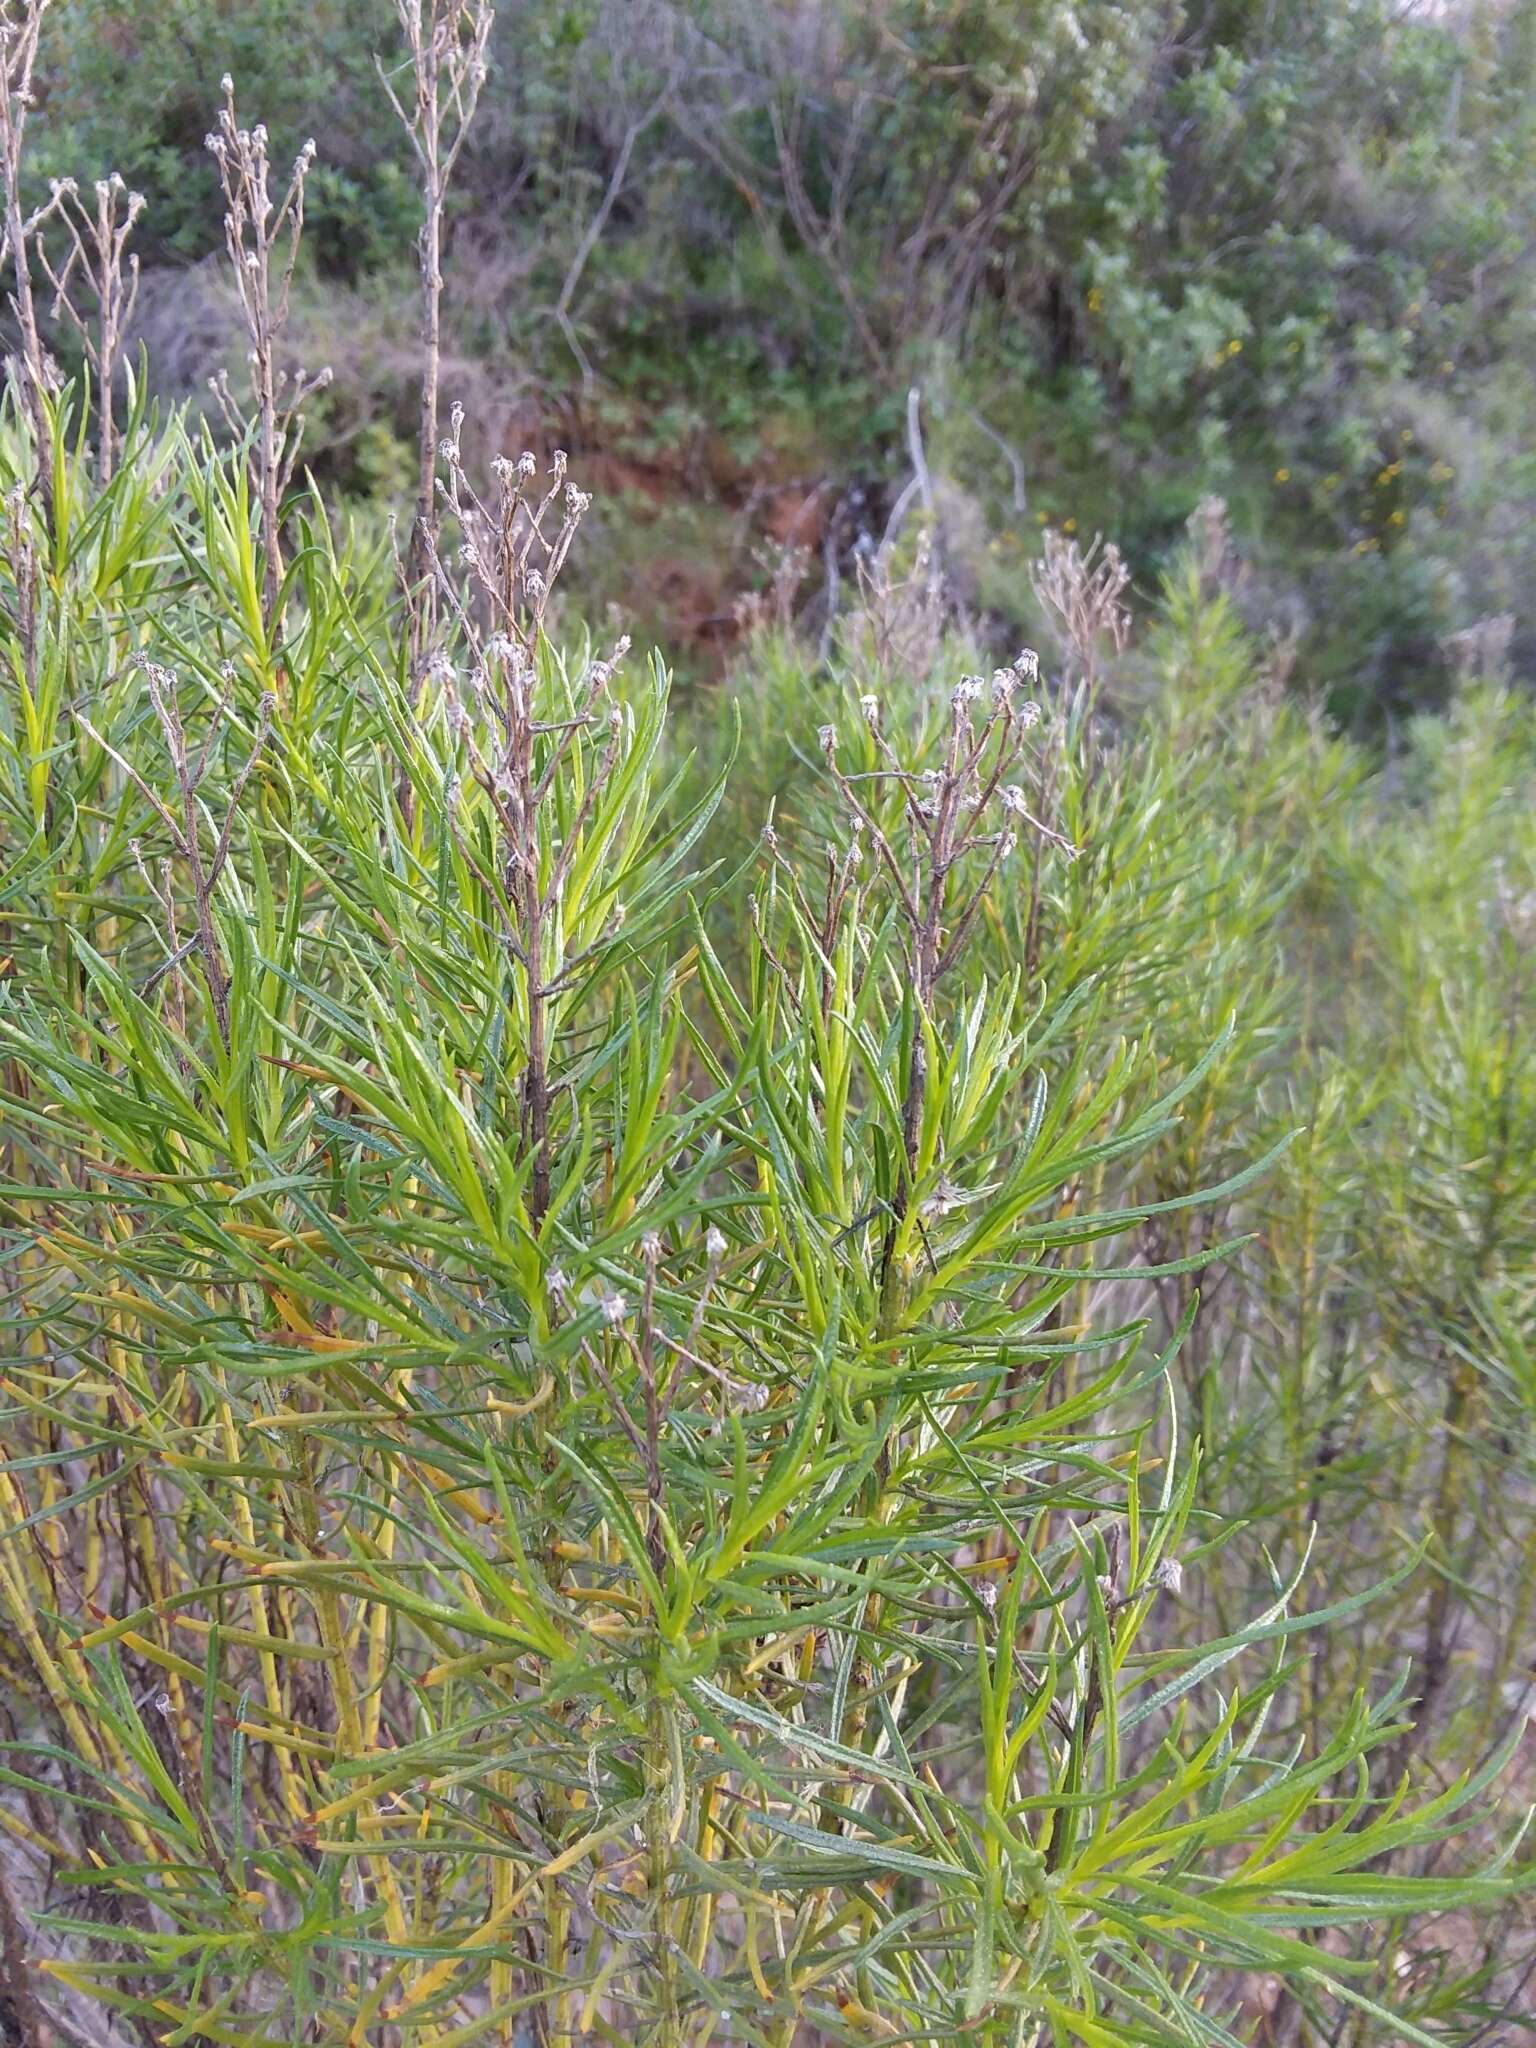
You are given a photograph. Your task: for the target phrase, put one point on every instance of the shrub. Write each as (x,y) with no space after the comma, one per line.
(606,1430)
(547,1473)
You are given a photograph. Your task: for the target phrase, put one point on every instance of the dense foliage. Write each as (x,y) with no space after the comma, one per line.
(1132,253)
(848,1355)
(557,1465)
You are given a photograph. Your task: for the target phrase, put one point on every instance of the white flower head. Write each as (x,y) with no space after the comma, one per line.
(714,1244)
(1027,662)
(1167,1576)
(869,704)
(615,1310)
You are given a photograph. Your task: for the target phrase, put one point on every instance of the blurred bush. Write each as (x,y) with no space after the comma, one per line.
(1278,249)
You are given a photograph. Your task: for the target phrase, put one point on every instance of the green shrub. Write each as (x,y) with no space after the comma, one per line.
(555,1470)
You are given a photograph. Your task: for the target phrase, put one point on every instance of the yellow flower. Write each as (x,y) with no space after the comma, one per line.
(1095,301)
(1399,518)
(1234,347)
(1282,476)
(1364,547)
(1331,483)
(1069,526)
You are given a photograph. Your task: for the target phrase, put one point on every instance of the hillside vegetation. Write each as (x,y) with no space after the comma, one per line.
(845,1355)
(1133,254)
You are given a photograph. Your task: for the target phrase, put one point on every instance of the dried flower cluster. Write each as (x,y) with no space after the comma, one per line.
(262,233)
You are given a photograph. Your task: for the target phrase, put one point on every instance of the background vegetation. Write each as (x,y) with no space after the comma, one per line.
(848,1352)
(1133,254)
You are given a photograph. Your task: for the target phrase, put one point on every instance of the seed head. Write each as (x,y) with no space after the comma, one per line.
(615,1310)
(714,1244)
(1167,1576)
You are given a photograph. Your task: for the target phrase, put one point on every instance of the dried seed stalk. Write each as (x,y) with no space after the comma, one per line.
(97,257)
(445,42)
(262,236)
